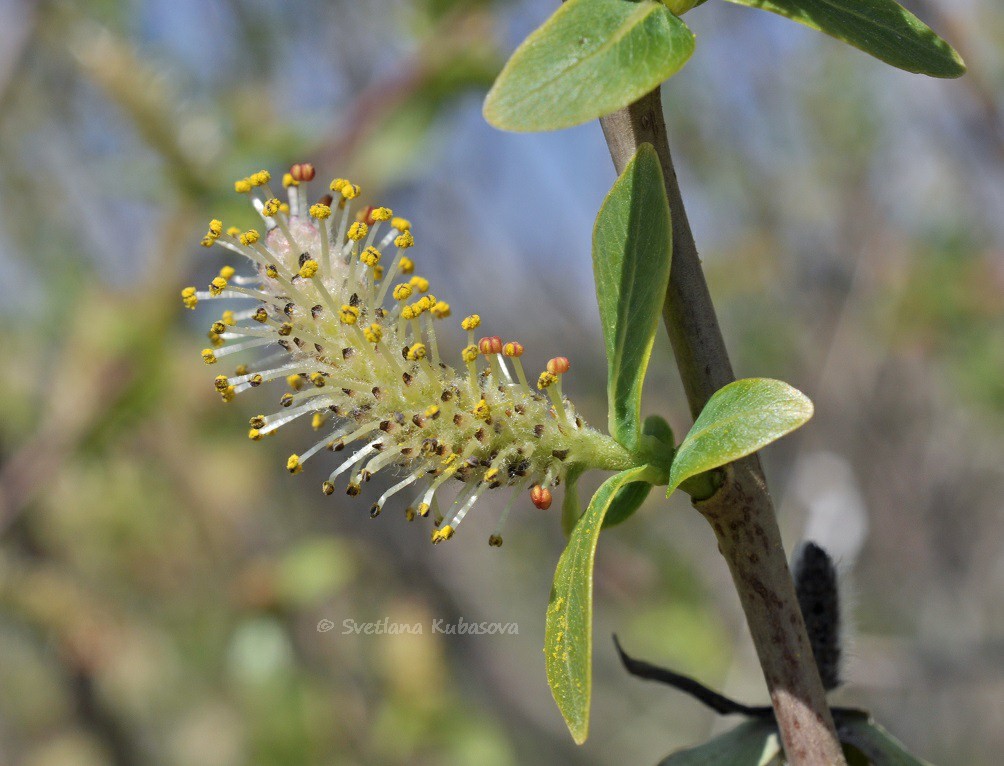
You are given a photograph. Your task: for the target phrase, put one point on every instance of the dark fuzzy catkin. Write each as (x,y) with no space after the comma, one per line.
(817,589)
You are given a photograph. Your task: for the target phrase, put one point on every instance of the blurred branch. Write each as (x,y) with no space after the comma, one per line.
(99,381)
(456,34)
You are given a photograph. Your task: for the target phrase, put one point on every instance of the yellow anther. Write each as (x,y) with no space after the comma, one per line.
(221,382)
(243,186)
(217,286)
(207,241)
(373,333)
(320,211)
(284,207)
(338,184)
(216,227)
(349,314)
(233,231)
(293,464)
(228,394)
(406,265)
(317,379)
(370,256)
(271,271)
(492,474)
(357,231)
(470,353)
(471,323)
(288,180)
(423,509)
(228,318)
(404,240)
(189,298)
(420,283)
(217,327)
(401,224)
(416,352)
(258,421)
(249,237)
(381,213)
(227,272)
(378,272)
(402,292)
(241,369)
(328,488)
(441,535)
(317,421)
(482,411)
(208,356)
(409,312)
(309,268)
(254,435)
(350,191)
(432,411)
(295,382)
(271,207)
(215,339)
(260,178)
(546,379)
(260,315)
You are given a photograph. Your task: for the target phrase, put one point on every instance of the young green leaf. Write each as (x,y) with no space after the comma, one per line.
(875,743)
(753,743)
(568,636)
(630,497)
(882,28)
(738,419)
(591,58)
(632,249)
(571,508)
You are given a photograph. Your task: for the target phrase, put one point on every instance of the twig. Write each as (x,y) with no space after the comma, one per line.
(717,702)
(741,512)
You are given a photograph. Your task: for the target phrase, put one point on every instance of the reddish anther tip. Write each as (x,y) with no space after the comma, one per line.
(490,345)
(513,348)
(302,171)
(540,497)
(366,216)
(558,366)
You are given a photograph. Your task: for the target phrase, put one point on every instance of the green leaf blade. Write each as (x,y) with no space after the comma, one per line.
(880,28)
(632,251)
(738,420)
(568,636)
(875,743)
(752,743)
(591,58)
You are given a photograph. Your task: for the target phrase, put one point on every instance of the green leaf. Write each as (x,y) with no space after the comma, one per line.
(571,508)
(881,28)
(591,58)
(568,636)
(874,742)
(753,743)
(627,500)
(632,248)
(630,497)
(738,419)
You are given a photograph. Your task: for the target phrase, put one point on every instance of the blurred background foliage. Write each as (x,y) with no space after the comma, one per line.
(161,577)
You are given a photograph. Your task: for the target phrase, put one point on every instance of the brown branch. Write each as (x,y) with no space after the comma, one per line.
(741,512)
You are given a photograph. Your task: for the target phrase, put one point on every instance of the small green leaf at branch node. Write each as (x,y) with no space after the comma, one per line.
(738,419)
